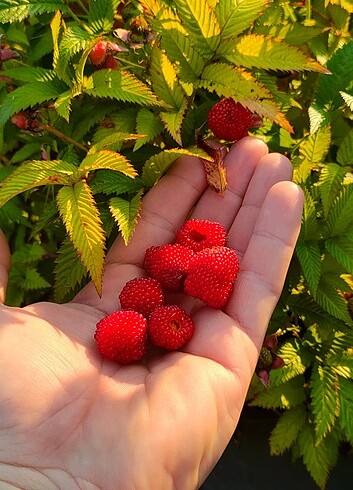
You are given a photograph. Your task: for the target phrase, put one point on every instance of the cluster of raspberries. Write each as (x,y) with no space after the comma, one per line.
(198,264)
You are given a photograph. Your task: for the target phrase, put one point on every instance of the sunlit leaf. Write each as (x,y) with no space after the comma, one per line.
(84,226)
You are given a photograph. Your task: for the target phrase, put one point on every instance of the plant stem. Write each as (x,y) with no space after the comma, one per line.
(131,63)
(308,10)
(83,7)
(61,135)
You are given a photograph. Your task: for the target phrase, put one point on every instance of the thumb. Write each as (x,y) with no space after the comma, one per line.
(5,260)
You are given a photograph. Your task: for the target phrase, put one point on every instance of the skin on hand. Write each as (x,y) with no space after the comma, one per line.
(70,420)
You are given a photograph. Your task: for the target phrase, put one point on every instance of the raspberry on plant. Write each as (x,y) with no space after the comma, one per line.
(170,327)
(168,265)
(99,53)
(122,336)
(142,294)
(110,62)
(199,234)
(230,121)
(211,275)
(22,120)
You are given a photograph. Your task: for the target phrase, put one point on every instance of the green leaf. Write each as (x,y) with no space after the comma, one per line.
(331,301)
(33,280)
(158,164)
(286,395)
(330,179)
(324,399)
(309,311)
(45,220)
(149,124)
(316,146)
(165,81)
(328,89)
(105,159)
(63,104)
(295,34)
(35,174)
(73,40)
(17,10)
(296,360)
(101,15)
(320,458)
(112,139)
(346,408)
(126,214)
(286,430)
(309,229)
(258,51)
(341,363)
(173,122)
(111,182)
(345,150)
(200,20)
(120,85)
(235,16)
(341,248)
(27,254)
(69,271)
(175,41)
(100,112)
(340,215)
(29,74)
(230,81)
(29,95)
(309,255)
(29,150)
(84,227)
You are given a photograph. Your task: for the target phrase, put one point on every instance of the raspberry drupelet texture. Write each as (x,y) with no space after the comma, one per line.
(122,336)
(211,275)
(141,294)
(170,327)
(168,265)
(200,233)
(230,121)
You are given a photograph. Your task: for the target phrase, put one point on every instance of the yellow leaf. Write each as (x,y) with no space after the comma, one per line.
(84,227)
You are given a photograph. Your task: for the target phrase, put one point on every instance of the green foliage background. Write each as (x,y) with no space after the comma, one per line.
(102,138)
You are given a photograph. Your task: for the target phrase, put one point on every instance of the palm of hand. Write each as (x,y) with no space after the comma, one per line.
(161,424)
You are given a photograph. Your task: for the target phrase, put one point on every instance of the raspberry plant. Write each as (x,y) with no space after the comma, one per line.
(81,144)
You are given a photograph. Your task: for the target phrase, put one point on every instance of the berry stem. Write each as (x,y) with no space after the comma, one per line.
(61,135)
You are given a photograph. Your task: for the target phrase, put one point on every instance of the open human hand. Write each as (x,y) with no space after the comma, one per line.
(70,420)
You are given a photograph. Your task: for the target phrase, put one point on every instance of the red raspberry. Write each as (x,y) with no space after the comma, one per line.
(200,234)
(99,53)
(21,120)
(168,264)
(229,120)
(141,294)
(170,327)
(109,62)
(211,275)
(122,336)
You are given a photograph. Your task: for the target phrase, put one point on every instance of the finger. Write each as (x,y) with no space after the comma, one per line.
(241,163)
(5,260)
(234,337)
(266,260)
(272,168)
